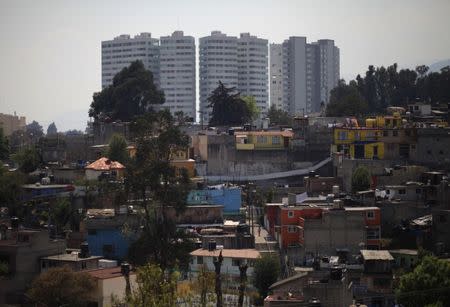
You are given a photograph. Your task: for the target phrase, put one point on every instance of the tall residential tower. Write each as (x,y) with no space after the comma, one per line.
(307,75)
(177,73)
(123,50)
(236,62)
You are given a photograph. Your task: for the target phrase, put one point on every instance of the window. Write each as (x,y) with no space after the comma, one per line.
(235,262)
(402,191)
(199,260)
(276,140)
(385,133)
(261,139)
(292,229)
(290,214)
(108,249)
(395,133)
(418,191)
(83,265)
(370,215)
(388,192)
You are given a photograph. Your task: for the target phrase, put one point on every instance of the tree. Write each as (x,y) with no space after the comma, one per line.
(250,101)
(345,100)
(204,285)
(131,93)
(360,179)
(117,150)
(60,213)
(160,188)
(154,288)
(51,129)
(28,159)
(278,116)
(228,108)
(11,190)
(34,132)
(266,272)
(4,146)
(61,286)
(429,283)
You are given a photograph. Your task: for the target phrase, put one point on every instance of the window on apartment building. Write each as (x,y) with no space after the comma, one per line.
(418,191)
(395,133)
(261,139)
(276,140)
(342,135)
(292,229)
(402,191)
(388,192)
(290,214)
(235,262)
(373,234)
(385,133)
(370,215)
(199,259)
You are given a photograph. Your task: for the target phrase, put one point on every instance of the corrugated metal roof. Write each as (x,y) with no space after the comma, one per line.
(376,255)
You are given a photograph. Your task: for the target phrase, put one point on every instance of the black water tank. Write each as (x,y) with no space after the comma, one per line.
(336,274)
(212,245)
(125,268)
(14,223)
(84,252)
(314,302)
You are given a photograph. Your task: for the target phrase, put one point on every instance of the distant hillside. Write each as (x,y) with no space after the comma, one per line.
(436,67)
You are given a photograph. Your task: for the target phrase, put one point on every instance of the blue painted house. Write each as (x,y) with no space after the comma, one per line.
(227,196)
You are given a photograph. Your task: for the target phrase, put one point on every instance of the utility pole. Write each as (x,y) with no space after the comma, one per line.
(217,264)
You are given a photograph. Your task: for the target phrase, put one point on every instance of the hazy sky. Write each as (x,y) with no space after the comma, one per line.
(50,50)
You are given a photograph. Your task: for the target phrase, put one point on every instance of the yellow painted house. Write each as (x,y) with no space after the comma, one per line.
(263,140)
(359,143)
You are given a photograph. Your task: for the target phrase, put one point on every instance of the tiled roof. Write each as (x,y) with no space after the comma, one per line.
(104,164)
(228,253)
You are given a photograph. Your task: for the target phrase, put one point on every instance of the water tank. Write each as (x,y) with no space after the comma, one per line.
(14,223)
(314,302)
(212,245)
(125,268)
(336,274)
(84,250)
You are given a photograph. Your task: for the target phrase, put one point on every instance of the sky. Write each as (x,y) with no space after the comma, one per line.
(50,55)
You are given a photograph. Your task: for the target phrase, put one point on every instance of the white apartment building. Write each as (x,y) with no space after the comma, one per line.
(123,50)
(276,76)
(308,73)
(177,73)
(252,69)
(218,62)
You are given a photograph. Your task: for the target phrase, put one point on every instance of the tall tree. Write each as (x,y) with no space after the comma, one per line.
(429,283)
(345,100)
(4,146)
(154,288)
(131,93)
(117,150)
(160,188)
(266,272)
(360,179)
(278,116)
(228,108)
(51,129)
(62,287)
(11,190)
(28,159)
(250,101)
(34,131)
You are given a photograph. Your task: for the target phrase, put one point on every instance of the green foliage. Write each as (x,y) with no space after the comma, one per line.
(60,213)
(4,146)
(154,288)
(132,93)
(204,286)
(4,268)
(34,131)
(61,286)
(250,101)
(10,189)
(429,283)
(266,272)
(152,179)
(360,179)
(28,159)
(278,116)
(51,129)
(381,87)
(345,100)
(117,150)
(228,108)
